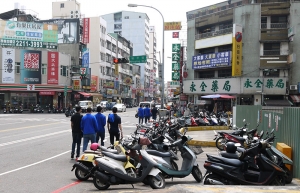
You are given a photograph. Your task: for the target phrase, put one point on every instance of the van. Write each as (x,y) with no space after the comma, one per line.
(85,104)
(145,103)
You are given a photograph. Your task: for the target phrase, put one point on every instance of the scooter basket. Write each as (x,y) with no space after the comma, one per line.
(197,149)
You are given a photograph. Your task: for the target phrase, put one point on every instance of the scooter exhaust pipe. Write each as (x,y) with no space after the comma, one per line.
(104,178)
(81,167)
(215,182)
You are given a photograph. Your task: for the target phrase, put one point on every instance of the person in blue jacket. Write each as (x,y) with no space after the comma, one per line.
(147,113)
(141,114)
(101,120)
(89,128)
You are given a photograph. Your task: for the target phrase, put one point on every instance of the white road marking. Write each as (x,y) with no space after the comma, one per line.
(12,123)
(34,163)
(31,138)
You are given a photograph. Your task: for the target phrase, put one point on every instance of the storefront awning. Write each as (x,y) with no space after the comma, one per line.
(295,98)
(85,94)
(281,103)
(215,96)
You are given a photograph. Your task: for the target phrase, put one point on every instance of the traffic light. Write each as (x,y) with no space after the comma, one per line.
(120,60)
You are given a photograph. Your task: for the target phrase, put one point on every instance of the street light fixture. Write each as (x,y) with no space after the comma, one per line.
(163,49)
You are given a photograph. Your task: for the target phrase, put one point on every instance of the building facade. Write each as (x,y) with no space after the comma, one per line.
(134,27)
(242,49)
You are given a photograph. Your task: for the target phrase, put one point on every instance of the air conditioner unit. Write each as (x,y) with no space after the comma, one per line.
(77,16)
(293,87)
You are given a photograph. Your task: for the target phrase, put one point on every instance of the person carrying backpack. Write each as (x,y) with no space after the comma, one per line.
(114,126)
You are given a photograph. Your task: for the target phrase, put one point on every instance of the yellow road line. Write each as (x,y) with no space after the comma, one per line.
(27,127)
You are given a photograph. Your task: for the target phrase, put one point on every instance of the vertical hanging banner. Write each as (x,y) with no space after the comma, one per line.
(52,68)
(31,67)
(237,51)
(8,65)
(86,30)
(85,58)
(94,83)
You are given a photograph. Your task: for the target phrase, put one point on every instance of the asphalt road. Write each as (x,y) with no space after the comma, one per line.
(35,155)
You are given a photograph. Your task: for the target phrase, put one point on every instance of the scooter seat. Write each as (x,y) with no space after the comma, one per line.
(157,153)
(93,152)
(241,139)
(232,162)
(108,150)
(252,131)
(229,155)
(121,158)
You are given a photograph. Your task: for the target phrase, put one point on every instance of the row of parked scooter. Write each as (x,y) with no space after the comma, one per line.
(148,156)
(247,158)
(204,118)
(15,109)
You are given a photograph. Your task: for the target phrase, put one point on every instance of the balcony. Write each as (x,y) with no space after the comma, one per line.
(214,18)
(271,52)
(214,33)
(281,8)
(274,26)
(279,61)
(274,35)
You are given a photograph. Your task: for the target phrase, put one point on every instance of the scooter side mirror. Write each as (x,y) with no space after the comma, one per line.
(272,131)
(244,120)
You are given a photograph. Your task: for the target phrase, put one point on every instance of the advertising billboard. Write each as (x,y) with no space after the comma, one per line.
(28,34)
(94,83)
(8,65)
(85,58)
(86,30)
(31,67)
(67,30)
(52,68)
(237,52)
(214,60)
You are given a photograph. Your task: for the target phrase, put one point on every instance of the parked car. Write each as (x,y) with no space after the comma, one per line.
(120,107)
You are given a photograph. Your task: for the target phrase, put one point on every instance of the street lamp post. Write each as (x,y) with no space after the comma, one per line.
(163,50)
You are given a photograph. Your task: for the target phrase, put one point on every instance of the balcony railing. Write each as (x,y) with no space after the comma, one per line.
(271,52)
(274,26)
(214,33)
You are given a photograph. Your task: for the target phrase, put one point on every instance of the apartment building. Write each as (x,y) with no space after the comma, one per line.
(134,26)
(245,49)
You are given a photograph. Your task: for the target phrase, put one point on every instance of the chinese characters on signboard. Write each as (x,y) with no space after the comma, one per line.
(214,60)
(8,65)
(172,26)
(237,51)
(31,67)
(176,59)
(175,34)
(52,68)
(86,30)
(76,84)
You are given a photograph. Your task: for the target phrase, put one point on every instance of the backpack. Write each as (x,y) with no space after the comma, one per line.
(111,118)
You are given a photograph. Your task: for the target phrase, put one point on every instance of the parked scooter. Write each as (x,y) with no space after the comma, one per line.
(113,173)
(224,171)
(4,110)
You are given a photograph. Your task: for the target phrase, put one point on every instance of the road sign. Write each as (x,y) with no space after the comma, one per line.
(173,84)
(175,66)
(138,59)
(175,56)
(175,75)
(176,47)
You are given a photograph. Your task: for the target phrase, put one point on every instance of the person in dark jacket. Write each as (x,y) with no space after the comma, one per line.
(89,128)
(114,126)
(76,132)
(154,112)
(141,114)
(147,113)
(101,120)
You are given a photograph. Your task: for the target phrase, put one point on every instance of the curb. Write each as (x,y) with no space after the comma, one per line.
(207,128)
(202,143)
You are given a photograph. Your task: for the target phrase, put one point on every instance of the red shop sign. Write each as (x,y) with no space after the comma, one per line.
(77,96)
(46,93)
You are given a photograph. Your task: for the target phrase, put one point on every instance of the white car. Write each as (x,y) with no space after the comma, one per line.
(120,107)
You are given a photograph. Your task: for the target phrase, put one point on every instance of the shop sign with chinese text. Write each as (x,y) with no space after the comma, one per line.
(214,60)
(265,85)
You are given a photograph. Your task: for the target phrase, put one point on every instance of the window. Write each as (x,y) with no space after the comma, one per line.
(225,48)
(140,16)
(126,17)
(239,3)
(211,11)
(223,8)
(271,48)
(224,73)
(17,67)
(63,70)
(271,72)
(44,69)
(62,5)
(102,56)
(206,74)
(118,26)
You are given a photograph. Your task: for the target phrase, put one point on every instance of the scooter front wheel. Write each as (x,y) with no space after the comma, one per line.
(288,175)
(197,174)
(220,143)
(80,175)
(155,183)
(99,184)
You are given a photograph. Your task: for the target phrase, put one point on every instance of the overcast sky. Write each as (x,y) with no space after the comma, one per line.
(172,10)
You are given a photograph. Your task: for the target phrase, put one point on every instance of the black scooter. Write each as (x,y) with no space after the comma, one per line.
(224,171)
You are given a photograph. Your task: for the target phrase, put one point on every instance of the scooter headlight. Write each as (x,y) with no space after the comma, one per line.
(275,159)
